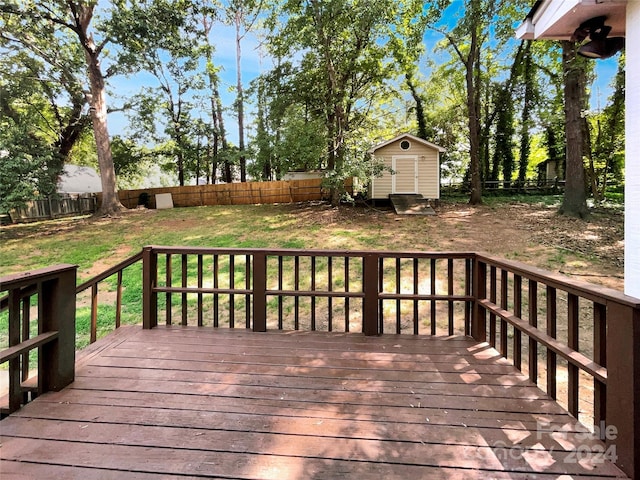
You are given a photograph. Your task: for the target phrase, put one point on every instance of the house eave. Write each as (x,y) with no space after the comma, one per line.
(558,19)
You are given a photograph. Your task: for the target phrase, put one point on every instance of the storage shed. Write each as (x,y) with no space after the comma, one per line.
(415,164)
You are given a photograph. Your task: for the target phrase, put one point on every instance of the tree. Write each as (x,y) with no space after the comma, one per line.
(574,202)
(24,159)
(337,49)
(503,157)
(159,37)
(217,137)
(606,130)
(466,39)
(485,27)
(76,18)
(243,15)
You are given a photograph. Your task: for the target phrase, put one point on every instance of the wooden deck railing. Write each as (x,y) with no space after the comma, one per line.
(373,292)
(52,293)
(578,341)
(592,333)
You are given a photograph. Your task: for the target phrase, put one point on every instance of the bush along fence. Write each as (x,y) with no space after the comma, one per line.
(54,207)
(245,193)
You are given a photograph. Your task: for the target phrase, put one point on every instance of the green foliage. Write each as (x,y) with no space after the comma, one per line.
(335,63)
(43,111)
(27,166)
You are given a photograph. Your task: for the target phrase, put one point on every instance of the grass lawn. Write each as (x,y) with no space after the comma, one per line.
(528,231)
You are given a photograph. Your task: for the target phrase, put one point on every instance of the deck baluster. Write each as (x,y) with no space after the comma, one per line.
(313,297)
(94,313)
(468,291)
(247,285)
(330,289)
(479,291)
(398,291)
(216,295)
(119,299)
(260,292)
(517,310)
(296,287)
(450,293)
(573,313)
(552,313)
(346,289)
(185,278)
(380,289)
(533,321)
(280,287)
(232,285)
(416,286)
(493,295)
(169,282)
(200,284)
(600,357)
(434,320)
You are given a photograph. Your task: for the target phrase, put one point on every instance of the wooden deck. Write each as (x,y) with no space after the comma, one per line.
(193,402)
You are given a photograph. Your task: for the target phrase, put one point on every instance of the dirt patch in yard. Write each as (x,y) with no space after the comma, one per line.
(535,234)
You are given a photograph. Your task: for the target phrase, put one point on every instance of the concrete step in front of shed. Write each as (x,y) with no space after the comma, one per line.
(411,204)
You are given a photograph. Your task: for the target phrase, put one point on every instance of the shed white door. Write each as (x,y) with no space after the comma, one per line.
(405,179)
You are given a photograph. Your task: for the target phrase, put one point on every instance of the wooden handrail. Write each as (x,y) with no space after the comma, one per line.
(26,346)
(111,271)
(595,293)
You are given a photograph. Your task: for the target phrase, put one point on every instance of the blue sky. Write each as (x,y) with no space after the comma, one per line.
(253,65)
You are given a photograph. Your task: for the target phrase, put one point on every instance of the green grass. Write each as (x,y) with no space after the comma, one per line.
(96,244)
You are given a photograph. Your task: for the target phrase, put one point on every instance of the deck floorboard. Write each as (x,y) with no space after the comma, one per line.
(190,402)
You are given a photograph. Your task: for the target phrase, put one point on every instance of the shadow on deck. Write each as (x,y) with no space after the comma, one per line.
(198,402)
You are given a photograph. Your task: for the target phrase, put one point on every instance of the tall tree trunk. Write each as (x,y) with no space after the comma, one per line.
(240,100)
(110,200)
(98,109)
(422,123)
(474,119)
(219,133)
(574,203)
(525,137)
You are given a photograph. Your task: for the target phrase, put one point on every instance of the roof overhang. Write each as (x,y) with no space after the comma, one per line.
(558,19)
(408,136)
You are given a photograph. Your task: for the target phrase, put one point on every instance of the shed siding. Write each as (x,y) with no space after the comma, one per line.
(428,171)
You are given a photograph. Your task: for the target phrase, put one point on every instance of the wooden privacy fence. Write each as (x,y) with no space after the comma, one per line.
(244,193)
(577,341)
(54,207)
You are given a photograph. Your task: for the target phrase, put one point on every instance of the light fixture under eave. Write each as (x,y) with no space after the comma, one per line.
(600,46)
(602,49)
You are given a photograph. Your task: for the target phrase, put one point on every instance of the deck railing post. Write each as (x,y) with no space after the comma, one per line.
(57,312)
(479,291)
(370,277)
(623,387)
(259,292)
(149,282)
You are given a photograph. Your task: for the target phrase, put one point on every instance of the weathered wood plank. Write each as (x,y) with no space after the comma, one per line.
(289,460)
(404,414)
(282,380)
(204,403)
(156,423)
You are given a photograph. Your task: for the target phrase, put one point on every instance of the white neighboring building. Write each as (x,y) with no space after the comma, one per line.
(77,179)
